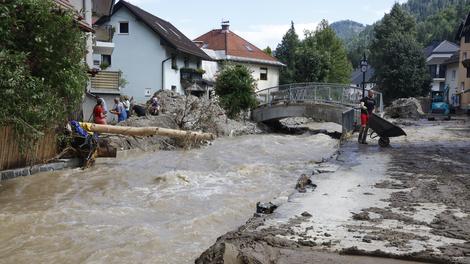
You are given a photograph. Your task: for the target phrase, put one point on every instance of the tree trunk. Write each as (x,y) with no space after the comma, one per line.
(147,131)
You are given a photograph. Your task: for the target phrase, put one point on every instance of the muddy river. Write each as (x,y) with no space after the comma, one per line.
(161,207)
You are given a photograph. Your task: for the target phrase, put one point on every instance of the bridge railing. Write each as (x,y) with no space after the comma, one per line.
(315,93)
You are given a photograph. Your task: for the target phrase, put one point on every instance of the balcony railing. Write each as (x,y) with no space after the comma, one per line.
(104,33)
(106,80)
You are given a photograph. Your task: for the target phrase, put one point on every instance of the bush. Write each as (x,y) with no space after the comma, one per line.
(235,87)
(42,71)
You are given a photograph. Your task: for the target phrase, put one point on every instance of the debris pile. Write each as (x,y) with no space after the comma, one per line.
(187,113)
(409,108)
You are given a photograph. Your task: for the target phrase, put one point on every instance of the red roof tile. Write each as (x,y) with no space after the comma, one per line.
(232,44)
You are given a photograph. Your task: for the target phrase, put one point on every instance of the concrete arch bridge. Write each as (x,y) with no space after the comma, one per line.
(335,103)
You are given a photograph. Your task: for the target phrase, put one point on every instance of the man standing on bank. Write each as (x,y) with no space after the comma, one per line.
(367,108)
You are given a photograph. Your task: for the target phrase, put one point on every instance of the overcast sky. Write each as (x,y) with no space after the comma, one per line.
(262,22)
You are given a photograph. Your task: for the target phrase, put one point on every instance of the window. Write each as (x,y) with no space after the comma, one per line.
(174,64)
(106,60)
(199,64)
(96,62)
(464,56)
(124,27)
(454,75)
(186,62)
(467,38)
(263,74)
(173,88)
(462,86)
(248,47)
(468,72)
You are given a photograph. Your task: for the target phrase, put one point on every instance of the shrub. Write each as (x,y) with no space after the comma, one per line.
(42,71)
(235,87)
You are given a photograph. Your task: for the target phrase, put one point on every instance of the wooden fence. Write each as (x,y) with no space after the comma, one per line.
(11,157)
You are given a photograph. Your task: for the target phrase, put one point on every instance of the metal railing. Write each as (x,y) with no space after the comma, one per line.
(336,94)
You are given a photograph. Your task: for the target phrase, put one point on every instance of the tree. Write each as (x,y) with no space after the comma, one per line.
(286,53)
(42,73)
(320,57)
(332,49)
(268,51)
(235,87)
(400,67)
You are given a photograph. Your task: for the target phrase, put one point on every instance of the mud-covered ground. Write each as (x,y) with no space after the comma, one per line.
(410,202)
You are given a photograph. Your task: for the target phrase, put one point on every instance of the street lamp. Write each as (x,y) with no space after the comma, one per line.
(364,66)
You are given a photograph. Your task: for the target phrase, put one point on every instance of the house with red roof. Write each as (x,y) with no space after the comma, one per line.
(223,45)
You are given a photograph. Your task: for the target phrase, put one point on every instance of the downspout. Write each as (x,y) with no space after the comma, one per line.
(163,71)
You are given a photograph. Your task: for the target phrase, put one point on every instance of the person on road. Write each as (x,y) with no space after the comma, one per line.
(119,110)
(99,116)
(367,108)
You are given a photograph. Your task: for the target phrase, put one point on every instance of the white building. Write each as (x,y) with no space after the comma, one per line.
(150,53)
(436,56)
(223,45)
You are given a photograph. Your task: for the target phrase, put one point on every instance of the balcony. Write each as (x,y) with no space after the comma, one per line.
(191,75)
(104,33)
(437,72)
(106,82)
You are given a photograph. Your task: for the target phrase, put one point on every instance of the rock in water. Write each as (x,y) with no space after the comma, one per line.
(265,208)
(306,214)
(405,108)
(303,183)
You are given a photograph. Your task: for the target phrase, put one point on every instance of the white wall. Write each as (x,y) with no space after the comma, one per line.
(138,55)
(212,68)
(172,77)
(273,76)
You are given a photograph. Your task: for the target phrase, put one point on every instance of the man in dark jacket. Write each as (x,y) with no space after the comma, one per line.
(367,108)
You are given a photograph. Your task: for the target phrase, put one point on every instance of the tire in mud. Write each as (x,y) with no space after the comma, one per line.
(384,142)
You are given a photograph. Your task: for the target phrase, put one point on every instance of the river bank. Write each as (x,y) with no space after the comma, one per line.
(407,202)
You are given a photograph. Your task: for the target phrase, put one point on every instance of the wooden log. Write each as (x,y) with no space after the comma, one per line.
(147,131)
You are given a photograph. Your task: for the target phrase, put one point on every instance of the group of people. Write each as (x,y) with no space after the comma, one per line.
(121,109)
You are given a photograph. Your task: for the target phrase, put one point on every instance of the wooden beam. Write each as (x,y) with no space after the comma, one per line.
(147,131)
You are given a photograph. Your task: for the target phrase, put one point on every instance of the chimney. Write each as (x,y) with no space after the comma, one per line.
(225,26)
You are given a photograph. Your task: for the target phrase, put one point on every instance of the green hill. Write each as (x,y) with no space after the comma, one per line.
(347,29)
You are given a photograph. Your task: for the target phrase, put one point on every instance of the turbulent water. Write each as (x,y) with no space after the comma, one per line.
(162,207)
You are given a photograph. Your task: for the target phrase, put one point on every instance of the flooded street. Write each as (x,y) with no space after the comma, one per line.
(162,207)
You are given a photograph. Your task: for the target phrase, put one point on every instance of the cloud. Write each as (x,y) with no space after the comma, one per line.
(271,35)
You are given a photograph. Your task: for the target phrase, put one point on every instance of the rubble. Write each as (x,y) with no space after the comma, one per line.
(405,108)
(186,113)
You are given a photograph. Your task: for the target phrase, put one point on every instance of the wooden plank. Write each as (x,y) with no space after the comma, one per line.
(11,157)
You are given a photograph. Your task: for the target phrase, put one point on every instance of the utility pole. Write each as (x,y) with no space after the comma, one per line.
(364,66)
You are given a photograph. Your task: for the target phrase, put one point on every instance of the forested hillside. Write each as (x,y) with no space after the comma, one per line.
(437,20)
(347,29)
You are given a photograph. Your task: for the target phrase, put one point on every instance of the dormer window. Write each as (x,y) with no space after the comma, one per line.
(124,27)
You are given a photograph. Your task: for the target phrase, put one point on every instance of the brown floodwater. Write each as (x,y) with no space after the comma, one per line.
(160,207)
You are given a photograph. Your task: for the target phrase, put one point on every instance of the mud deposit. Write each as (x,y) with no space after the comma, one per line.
(410,202)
